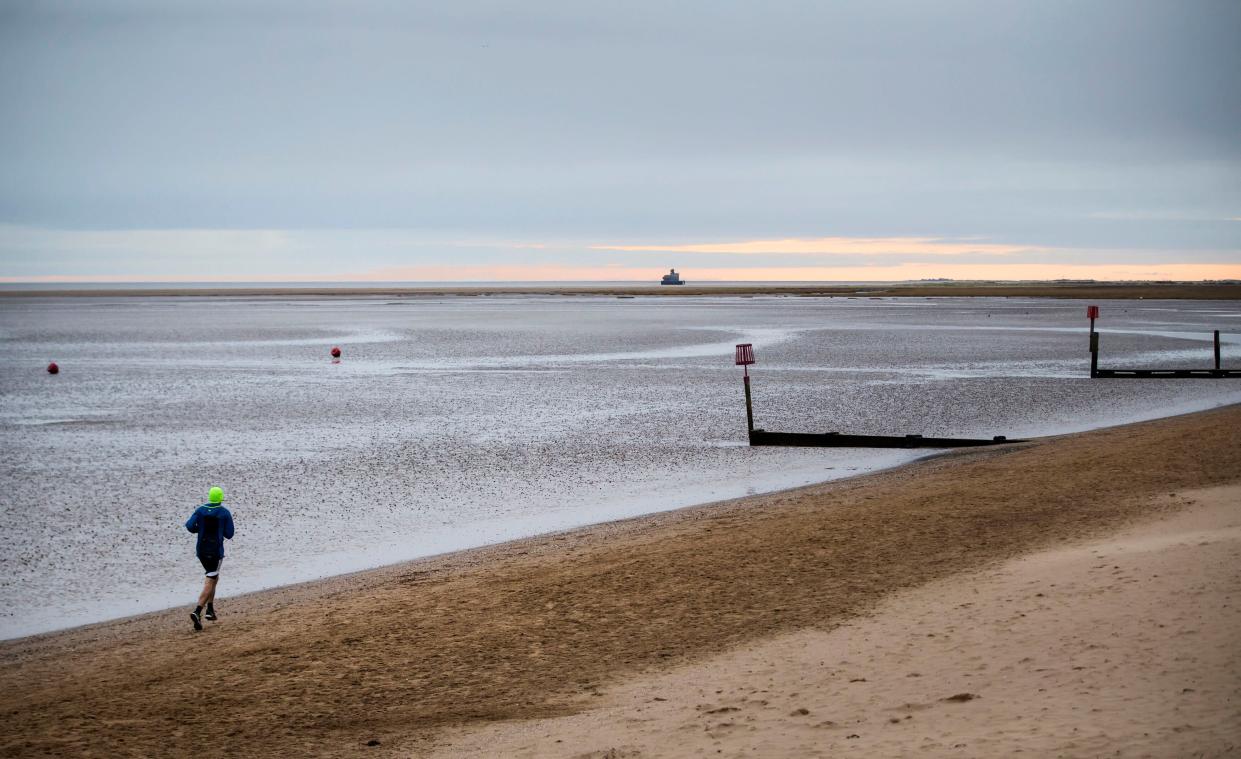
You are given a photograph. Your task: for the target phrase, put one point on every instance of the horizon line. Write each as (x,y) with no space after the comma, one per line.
(371,283)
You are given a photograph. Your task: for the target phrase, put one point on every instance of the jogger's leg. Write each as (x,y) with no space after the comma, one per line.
(208,594)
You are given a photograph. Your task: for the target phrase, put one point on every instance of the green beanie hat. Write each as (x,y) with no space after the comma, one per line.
(216,495)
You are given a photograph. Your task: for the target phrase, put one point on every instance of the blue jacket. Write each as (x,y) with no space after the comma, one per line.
(214,525)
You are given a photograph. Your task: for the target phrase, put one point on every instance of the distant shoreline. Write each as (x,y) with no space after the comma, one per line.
(1091,290)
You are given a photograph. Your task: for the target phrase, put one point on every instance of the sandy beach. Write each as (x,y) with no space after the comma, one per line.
(1124,646)
(888,607)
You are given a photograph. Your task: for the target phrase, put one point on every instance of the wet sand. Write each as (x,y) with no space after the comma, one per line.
(1091,290)
(411,655)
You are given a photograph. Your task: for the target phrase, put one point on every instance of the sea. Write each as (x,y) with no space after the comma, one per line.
(455,421)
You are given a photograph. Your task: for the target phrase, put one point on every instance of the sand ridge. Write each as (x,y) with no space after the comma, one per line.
(529,629)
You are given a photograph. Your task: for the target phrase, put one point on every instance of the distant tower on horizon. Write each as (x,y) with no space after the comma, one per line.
(672,278)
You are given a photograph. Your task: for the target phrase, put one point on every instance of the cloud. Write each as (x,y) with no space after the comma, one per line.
(1165,215)
(515,272)
(840,246)
(38,243)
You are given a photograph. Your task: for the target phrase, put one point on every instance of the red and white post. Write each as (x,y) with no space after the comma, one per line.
(745,357)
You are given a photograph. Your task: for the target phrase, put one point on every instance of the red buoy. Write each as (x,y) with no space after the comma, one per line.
(52,368)
(335,352)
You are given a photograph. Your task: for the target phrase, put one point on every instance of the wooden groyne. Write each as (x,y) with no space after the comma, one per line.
(1216,372)
(760,437)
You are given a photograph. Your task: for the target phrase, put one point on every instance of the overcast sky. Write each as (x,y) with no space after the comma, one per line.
(590,140)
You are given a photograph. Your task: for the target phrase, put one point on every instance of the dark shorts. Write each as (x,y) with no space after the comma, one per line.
(211,565)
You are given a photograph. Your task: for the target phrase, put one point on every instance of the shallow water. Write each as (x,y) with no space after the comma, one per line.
(458,421)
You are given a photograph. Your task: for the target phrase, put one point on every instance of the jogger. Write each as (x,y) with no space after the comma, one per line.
(214,524)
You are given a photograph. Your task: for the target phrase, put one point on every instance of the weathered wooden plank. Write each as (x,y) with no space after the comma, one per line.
(839,440)
(1166,373)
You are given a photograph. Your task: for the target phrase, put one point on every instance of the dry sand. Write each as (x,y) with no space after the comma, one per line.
(1127,646)
(533,629)
(1092,290)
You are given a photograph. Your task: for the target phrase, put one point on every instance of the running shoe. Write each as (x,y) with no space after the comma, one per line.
(198,623)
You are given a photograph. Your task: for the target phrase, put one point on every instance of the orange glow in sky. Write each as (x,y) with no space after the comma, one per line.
(868,246)
(557,272)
